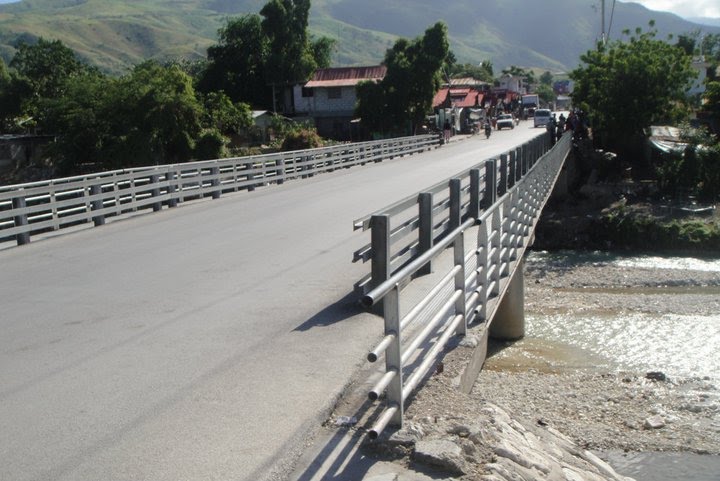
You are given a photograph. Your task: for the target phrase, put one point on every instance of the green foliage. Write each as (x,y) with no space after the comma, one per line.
(150,116)
(210,145)
(629,85)
(301,139)
(712,99)
(483,71)
(621,227)
(236,64)
(165,113)
(527,75)
(41,71)
(413,76)
(257,52)
(225,116)
(546,93)
(695,171)
(546,78)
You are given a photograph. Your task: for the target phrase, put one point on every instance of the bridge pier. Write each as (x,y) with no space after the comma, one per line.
(509,321)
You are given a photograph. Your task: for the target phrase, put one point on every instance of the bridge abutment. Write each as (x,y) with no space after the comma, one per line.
(509,321)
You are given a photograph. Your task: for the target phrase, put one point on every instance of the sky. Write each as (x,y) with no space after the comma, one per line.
(682,8)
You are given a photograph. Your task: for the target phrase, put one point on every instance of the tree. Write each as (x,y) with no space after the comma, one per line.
(150,116)
(546,94)
(546,78)
(224,115)
(414,74)
(163,112)
(45,66)
(629,85)
(515,71)
(483,71)
(292,56)
(257,52)
(236,65)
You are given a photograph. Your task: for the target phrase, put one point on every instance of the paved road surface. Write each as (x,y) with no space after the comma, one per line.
(205,342)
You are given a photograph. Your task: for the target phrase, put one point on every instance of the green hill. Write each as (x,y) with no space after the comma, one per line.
(116,35)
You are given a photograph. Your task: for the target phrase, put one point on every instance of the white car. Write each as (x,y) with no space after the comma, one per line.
(542,117)
(505,120)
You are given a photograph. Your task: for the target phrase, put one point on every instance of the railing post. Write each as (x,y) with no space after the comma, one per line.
(97,204)
(171,189)
(502,188)
(483,265)
(455,204)
(280,170)
(425,228)
(380,242)
(520,152)
(18,203)
(459,260)
(393,354)
(490,194)
(215,172)
(155,192)
(496,243)
(474,211)
(250,175)
(513,174)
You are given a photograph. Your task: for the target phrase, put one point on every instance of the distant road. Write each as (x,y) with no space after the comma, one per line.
(201,343)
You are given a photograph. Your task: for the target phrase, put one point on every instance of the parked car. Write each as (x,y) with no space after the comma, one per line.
(542,117)
(505,120)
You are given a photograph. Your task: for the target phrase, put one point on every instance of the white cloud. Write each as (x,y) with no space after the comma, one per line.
(684,8)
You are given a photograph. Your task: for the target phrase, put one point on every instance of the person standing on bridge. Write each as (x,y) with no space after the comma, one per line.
(446,131)
(551,127)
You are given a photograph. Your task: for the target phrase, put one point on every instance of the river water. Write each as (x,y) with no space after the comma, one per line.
(679,345)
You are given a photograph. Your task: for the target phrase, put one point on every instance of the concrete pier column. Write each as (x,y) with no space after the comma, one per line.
(509,321)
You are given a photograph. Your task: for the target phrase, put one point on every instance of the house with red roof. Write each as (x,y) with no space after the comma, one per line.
(329,98)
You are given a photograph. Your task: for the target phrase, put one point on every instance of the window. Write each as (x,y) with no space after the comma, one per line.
(307,92)
(335,92)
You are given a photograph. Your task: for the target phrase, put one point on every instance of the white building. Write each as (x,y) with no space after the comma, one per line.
(329,98)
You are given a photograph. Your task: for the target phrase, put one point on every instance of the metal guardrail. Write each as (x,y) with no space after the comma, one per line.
(38,207)
(419,220)
(504,213)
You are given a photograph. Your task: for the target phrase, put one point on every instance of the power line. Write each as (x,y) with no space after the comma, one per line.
(612,13)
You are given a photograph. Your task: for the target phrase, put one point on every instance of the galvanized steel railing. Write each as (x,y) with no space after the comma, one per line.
(33,208)
(502,207)
(419,220)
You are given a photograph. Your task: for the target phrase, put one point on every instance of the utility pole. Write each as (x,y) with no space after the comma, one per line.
(602,21)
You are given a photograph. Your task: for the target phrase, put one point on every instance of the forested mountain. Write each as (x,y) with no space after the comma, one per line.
(548,34)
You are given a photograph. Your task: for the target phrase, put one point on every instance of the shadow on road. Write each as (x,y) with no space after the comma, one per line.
(336,312)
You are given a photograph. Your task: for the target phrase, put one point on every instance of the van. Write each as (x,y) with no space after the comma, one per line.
(542,117)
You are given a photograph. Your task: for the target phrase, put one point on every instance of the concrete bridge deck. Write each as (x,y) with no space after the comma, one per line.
(205,342)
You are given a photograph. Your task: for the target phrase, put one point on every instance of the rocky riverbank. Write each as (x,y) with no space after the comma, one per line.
(539,411)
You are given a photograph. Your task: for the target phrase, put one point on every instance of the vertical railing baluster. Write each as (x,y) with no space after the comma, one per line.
(474,210)
(459,260)
(20,219)
(393,354)
(97,204)
(425,228)
(455,204)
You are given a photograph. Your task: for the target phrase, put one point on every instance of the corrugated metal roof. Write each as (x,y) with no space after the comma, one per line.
(440,97)
(346,76)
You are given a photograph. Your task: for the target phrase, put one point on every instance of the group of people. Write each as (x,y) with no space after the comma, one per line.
(576,122)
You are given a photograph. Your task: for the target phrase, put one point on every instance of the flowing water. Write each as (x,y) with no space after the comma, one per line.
(678,345)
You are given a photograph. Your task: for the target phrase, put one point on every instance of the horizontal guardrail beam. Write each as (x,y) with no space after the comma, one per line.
(33,208)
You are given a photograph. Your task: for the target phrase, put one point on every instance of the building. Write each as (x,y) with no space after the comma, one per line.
(701,67)
(329,98)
